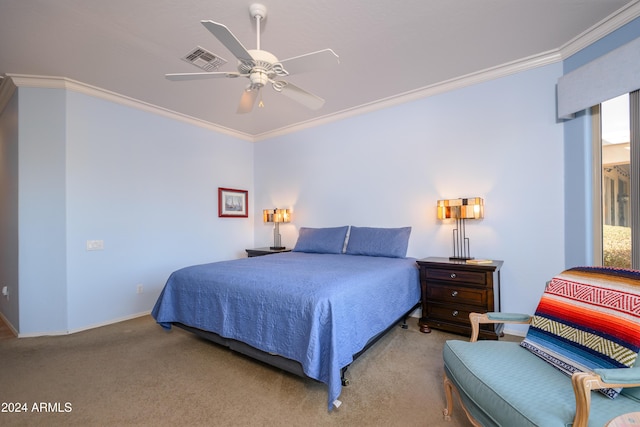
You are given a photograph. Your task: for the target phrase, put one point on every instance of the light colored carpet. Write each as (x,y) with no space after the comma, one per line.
(135,373)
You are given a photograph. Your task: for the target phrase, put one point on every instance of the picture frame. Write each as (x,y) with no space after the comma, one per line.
(233,203)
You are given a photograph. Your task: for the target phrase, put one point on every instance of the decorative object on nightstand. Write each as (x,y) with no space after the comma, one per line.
(461,210)
(276,216)
(453,289)
(265,251)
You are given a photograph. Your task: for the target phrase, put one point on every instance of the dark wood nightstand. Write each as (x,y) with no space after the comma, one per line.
(265,251)
(453,289)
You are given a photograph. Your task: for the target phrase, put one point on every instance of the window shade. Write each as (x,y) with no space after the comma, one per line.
(611,75)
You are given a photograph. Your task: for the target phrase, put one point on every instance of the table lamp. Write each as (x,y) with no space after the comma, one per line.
(461,210)
(276,216)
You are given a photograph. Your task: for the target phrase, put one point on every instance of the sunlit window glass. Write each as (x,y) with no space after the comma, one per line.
(616,203)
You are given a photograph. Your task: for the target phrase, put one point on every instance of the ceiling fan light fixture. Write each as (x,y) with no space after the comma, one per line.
(258,79)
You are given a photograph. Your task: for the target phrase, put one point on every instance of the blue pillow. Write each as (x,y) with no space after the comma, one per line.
(321,240)
(385,242)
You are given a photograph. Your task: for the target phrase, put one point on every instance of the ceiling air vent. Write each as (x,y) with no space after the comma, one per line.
(204,59)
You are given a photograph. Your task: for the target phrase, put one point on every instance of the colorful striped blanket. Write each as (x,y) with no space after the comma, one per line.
(588,318)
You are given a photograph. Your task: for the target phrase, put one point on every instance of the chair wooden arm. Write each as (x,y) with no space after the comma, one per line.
(583,383)
(494,317)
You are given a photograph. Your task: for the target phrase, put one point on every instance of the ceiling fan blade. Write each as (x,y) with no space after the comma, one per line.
(305,98)
(247,100)
(310,61)
(201,76)
(230,41)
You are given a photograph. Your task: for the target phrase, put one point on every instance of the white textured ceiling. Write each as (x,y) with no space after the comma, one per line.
(387,49)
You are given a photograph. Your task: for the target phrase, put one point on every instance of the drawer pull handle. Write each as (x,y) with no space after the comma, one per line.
(453,275)
(455,313)
(454,293)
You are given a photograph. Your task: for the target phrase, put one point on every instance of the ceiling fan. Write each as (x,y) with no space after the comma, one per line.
(262,67)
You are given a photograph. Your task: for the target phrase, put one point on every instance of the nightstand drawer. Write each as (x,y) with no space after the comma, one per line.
(457,295)
(469,277)
(448,314)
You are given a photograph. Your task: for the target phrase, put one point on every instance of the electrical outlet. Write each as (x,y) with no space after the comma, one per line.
(5,291)
(95,245)
(139,289)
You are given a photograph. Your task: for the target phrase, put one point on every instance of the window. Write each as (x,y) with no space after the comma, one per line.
(615,128)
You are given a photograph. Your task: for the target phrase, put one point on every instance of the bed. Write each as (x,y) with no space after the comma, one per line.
(310,311)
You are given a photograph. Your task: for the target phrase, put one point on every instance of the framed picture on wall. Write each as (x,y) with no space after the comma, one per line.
(232,203)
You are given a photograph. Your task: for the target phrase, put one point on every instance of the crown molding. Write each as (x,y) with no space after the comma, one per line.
(54,82)
(430,90)
(588,37)
(603,28)
(492,73)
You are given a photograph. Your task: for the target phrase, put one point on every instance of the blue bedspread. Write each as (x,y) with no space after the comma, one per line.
(317,309)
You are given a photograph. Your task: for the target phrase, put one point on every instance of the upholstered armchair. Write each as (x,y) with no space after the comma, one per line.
(535,382)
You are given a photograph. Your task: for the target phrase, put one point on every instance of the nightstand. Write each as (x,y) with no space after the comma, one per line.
(265,251)
(453,289)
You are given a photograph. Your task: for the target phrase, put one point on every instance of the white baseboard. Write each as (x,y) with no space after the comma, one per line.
(84,328)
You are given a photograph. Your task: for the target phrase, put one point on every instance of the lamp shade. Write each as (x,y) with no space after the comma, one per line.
(470,208)
(276,215)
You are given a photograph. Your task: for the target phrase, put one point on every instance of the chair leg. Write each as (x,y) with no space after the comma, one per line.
(449,396)
(449,388)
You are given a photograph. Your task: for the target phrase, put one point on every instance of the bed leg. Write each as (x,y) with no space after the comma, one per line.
(404,323)
(343,379)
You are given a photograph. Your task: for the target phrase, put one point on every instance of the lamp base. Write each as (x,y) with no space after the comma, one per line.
(459,258)
(277,248)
